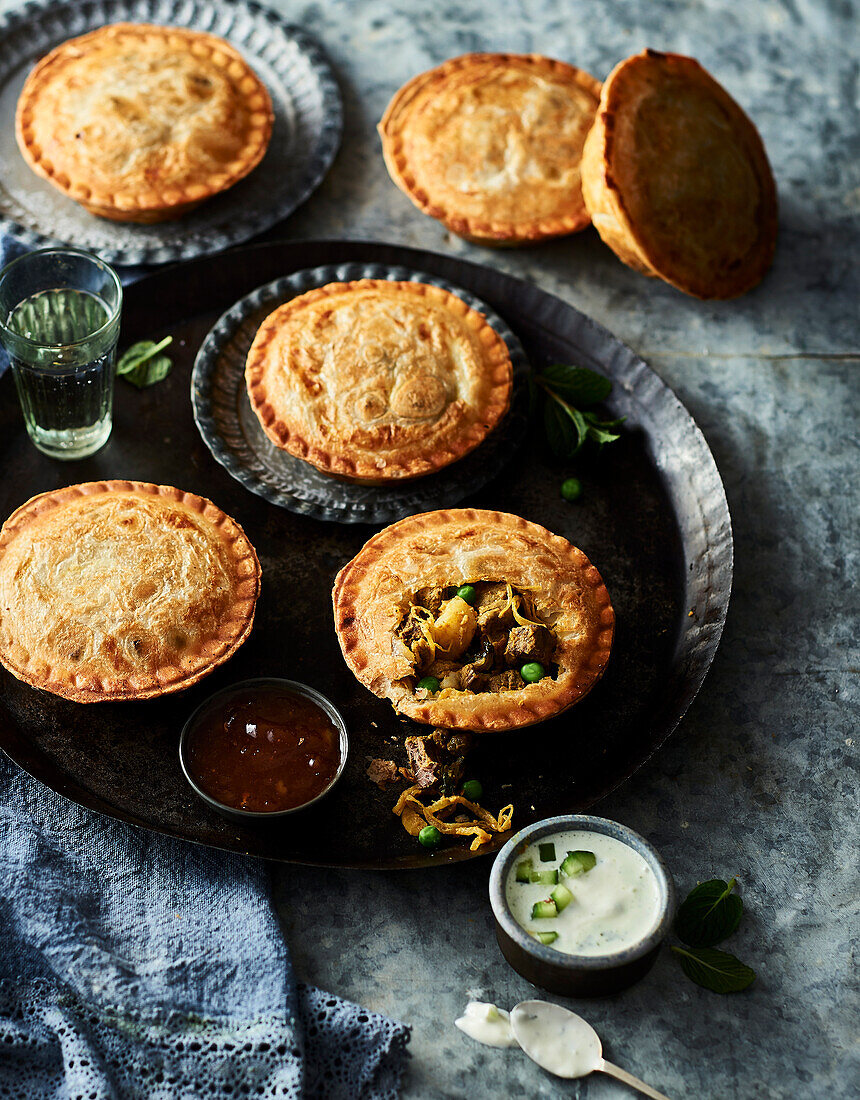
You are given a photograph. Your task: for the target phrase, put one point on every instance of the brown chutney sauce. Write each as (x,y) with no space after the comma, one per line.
(264,748)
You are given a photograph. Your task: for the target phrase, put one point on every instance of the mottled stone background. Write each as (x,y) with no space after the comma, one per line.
(760,780)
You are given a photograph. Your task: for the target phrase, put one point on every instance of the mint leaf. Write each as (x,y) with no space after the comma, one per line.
(565,426)
(599,436)
(578,385)
(715,970)
(710,913)
(149,372)
(143,364)
(560,432)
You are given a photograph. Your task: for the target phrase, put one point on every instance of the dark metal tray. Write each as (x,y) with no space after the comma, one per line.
(653,518)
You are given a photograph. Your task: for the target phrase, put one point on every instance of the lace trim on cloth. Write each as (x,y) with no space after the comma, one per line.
(350,1052)
(52,1047)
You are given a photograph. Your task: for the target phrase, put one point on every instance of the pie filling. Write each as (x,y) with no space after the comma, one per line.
(490,641)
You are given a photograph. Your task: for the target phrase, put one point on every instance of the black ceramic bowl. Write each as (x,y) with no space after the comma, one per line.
(247,816)
(577,975)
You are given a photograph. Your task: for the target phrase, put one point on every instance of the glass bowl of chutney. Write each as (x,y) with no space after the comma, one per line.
(264,748)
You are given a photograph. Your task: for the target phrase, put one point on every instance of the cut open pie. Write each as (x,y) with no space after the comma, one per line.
(676,178)
(473,620)
(114,590)
(490,144)
(141,123)
(377,380)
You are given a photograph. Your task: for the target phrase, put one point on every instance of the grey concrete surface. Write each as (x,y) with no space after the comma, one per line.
(760,781)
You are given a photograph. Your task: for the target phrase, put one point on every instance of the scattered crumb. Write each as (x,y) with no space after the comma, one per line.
(685,824)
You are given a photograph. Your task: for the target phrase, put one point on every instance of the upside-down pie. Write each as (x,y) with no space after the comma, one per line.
(141,123)
(676,178)
(115,590)
(473,619)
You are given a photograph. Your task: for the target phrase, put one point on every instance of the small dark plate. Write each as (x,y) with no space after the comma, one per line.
(653,519)
(305,137)
(235,437)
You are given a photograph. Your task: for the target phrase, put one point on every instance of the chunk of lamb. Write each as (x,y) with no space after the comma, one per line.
(425,764)
(505,681)
(432,597)
(494,609)
(529,643)
(438,758)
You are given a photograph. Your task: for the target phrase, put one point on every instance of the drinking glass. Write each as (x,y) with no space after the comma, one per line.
(59,322)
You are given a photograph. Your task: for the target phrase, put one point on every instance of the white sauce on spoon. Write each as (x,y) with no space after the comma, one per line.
(554,1037)
(615,904)
(487,1024)
(557,1039)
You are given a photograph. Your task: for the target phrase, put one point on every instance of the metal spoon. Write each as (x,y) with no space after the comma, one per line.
(564,1044)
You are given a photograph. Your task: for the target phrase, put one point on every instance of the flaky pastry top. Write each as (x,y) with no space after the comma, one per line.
(490,144)
(122,590)
(676,178)
(136,117)
(375,380)
(464,546)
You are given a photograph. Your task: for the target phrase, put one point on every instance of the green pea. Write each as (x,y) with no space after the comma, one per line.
(466,592)
(532,672)
(430,836)
(472,790)
(429,683)
(571,489)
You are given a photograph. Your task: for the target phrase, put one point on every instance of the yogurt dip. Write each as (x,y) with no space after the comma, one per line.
(607,897)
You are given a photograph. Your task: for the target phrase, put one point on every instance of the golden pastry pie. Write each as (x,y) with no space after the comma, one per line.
(115,590)
(473,620)
(377,380)
(676,178)
(491,143)
(141,123)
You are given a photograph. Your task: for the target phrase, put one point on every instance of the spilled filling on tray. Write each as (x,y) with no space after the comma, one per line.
(486,636)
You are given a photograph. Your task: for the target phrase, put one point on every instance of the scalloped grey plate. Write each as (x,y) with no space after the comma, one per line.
(305,138)
(233,434)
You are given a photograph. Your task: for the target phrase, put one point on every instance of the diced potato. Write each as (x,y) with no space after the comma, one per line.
(455,627)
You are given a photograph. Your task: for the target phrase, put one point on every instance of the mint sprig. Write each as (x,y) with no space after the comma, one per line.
(143,364)
(709,914)
(567,393)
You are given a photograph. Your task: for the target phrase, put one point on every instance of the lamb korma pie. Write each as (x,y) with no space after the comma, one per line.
(115,590)
(140,123)
(377,380)
(676,178)
(490,144)
(473,620)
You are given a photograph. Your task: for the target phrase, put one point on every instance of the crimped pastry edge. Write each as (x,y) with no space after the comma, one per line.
(289,439)
(508,710)
(605,202)
(476,229)
(232,536)
(149,206)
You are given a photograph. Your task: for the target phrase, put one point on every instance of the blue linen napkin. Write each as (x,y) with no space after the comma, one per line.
(137,967)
